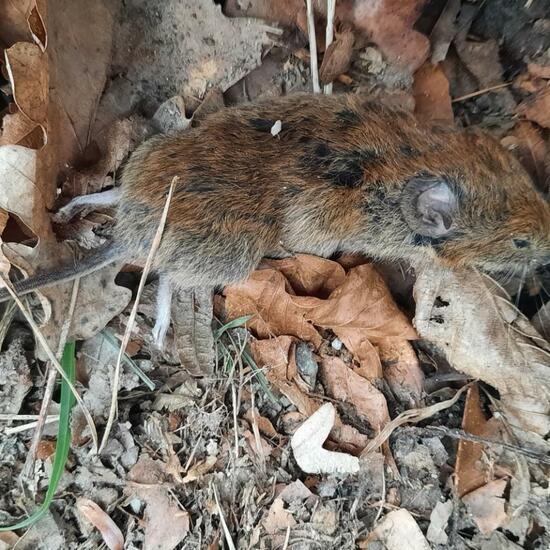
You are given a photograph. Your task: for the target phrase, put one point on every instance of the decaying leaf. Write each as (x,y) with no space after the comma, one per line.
(146,481)
(307,444)
(487,506)
(395,528)
(469,469)
(472,321)
(110,532)
(537,108)
(277,518)
(438,522)
(337,56)
(431,94)
(389,23)
(343,384)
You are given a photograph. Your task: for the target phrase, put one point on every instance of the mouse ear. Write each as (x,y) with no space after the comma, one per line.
(429,205)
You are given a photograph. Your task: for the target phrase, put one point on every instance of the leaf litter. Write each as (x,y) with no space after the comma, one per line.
(214,448)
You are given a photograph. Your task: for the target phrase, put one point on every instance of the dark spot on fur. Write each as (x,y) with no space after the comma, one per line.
(408,151)
(422,240)
(322,151)
(439,302)
(292,190)
(347,168)
(261,124)
(347,117)
(199,185)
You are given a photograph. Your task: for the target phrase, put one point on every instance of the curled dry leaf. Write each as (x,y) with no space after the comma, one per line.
(402,371)
(483,335)
(344,384)
(22,21)
(111,534)
(469,471)
(537,108)
(274,356)
(389,23)
(357,307)
(307,444)
(395,528)
(337,57)
(17,129)
(28,73)
(431,94)
(486,506)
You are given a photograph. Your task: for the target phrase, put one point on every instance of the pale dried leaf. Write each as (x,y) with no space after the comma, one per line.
(28,72)
(399,526)
(277,518)
(337,57)
(17,129)
(486,505)
(470,319)
(110,532)
(438,522)
(307,444)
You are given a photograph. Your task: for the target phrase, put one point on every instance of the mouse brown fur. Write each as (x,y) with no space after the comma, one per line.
(343,174)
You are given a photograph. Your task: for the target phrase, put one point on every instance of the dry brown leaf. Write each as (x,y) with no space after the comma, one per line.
(337,57)
(444,31)
(146,481)
(27,68)
(469,471)
(197,471)
(402,371)
(277,518)
(483,335)
(389,23)
(527,143)
(112,535)
(307,446)
(537,108)
(310,275)
(285,12)
(343,384)
(14,23)
(274,355)
(395,528)
(431,94)
(264,424)
(264,296)
(486,505)
(17,129)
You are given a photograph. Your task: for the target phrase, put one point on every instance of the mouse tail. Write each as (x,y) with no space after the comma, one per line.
(89,264)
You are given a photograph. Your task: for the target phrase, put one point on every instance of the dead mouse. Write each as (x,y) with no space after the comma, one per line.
(317,174)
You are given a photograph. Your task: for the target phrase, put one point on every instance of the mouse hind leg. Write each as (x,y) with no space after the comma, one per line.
(107,198)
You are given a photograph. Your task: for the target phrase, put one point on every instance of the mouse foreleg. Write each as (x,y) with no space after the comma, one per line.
(95,200)
(164,307)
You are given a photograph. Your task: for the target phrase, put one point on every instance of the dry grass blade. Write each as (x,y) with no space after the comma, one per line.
(412,415)
(28,469)
(133,313)
(228,539)
(331,9)
(53,359)
(312,47)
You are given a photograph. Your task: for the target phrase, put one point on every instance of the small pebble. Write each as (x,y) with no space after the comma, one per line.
(336,344)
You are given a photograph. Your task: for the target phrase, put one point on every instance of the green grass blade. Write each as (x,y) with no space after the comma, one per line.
(63,440)
(238,322)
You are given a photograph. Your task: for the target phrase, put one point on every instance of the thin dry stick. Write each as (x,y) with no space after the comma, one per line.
(228,539)
(412,415)
(28,469)
(133,313)
(53,359)
(331,9)
(480,92)
(312,48)
(30,425)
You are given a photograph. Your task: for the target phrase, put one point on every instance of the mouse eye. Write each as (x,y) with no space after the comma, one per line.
(520,243)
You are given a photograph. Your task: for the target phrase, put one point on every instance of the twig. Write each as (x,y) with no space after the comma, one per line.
(412,415)
(461,434)
(480,92)
(52,358)
(312,48)
(132,318)
(331,9)
(28,426)
(228,539)
(28,468)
